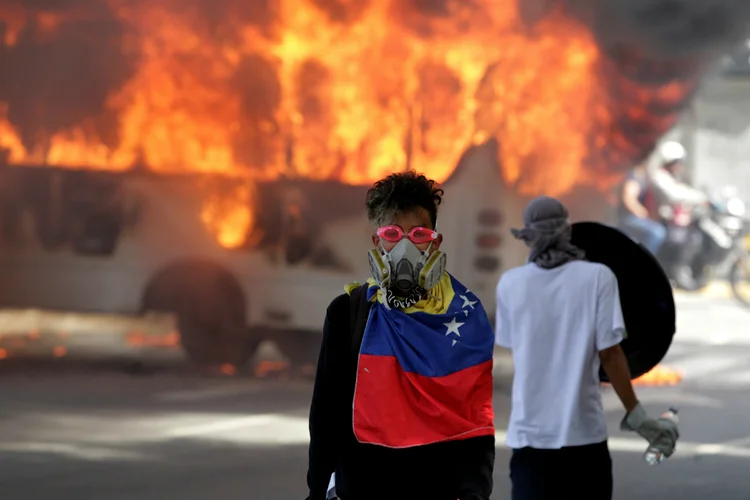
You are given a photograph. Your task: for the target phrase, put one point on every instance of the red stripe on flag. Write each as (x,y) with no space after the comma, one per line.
(398,409)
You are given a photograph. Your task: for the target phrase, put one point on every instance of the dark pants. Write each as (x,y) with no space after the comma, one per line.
(571,473)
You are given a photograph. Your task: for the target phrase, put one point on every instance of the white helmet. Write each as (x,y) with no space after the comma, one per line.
(670,152)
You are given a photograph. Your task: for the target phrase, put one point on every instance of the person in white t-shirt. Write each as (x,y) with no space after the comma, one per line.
(560,316)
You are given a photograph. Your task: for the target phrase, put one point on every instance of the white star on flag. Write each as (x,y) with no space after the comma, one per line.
(467,302)
(453,327)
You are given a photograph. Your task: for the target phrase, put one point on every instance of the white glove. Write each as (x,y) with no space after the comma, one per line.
(660,433)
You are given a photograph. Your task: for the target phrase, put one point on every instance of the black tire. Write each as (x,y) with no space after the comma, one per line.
(702,280)
(683,279)
(691,277)
(211,312)
(738,277)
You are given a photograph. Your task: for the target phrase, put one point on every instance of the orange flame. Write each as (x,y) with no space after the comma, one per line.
(228,369)
(140,339)
(660,375)
(344,90)
(228,214)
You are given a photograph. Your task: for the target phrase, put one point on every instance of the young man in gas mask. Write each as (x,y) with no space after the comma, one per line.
(402,403)
(560,316)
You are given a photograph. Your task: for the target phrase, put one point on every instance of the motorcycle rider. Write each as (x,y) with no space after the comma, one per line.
(634,215)
(670,191)
(667,179)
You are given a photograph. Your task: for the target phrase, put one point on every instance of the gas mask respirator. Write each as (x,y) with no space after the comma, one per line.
(405,273)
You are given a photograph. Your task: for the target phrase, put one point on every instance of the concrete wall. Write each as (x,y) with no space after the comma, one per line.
(721,134)
(722,160)
(716,132)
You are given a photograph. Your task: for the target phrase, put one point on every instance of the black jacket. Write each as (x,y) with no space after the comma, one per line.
(455,470)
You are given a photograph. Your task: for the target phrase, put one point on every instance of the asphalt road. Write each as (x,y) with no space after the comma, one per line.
(109,436)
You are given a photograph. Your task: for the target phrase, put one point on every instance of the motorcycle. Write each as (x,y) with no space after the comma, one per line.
(704,242)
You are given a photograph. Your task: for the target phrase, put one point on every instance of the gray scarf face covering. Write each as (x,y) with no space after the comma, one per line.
(547,232)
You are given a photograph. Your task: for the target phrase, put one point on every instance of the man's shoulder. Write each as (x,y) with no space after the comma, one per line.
(336,327)
(589,266)
(594,271)
(515,273)
(599,269)
(509,279)
(340,301)
(577,270)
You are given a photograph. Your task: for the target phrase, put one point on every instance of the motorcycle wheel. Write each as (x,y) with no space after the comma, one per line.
(690,279)
(739,280)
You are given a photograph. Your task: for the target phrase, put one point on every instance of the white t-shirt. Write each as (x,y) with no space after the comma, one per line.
(556,321)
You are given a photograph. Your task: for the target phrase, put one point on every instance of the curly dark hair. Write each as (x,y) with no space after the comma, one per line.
(402,192)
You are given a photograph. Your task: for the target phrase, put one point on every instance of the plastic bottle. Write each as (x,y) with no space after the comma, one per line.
(653,455)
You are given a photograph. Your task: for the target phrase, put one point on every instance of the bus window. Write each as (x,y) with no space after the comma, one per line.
(98,219)
(99,233)
(298,242)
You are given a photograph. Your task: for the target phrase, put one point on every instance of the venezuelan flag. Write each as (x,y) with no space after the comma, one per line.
(425,373)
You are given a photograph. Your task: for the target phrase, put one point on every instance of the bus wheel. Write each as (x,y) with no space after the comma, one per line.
(211,313)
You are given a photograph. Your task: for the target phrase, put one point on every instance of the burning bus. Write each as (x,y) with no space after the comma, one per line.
(210,159)
(132,243)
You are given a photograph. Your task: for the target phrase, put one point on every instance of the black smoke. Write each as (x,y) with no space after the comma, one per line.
(650,44)
(664,30)
(673,28)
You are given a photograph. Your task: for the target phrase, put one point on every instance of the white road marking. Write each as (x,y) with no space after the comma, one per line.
(273,429)
(80,451)
(745,441)
(221,426)
(278,430)
(719,340)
